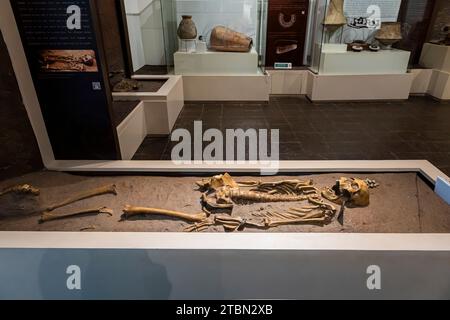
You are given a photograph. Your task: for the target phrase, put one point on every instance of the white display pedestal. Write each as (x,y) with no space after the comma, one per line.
(222,76)
(335,62)
(440,85)
(435,57)
(155,115)
(359,87)
(212,62)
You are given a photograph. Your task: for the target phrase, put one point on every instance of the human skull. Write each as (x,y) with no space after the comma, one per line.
(353,191)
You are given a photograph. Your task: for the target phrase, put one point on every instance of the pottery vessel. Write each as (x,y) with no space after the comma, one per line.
(390,33)
(187,29)
(335,17)
(225,39)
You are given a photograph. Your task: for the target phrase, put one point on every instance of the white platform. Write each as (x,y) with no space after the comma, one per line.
(212,62)
(435,57)
(155,115)
(364,63)
(440,85)
(421,81)
(219,87)
(359,87)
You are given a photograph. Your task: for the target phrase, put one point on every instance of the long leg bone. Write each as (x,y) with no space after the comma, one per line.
(84,195)
(130,211)
(23,189)
(47,216)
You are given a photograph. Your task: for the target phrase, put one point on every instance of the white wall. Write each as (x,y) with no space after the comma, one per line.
(239,15)
(146,34)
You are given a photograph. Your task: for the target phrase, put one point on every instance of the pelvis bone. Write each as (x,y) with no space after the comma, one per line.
(350,191)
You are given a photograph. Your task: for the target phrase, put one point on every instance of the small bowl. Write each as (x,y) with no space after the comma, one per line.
(357,48)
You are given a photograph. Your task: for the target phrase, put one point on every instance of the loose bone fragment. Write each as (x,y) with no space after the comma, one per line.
(23,189)
(130,211)
(270,223)
(47,216)
(84,195)
(201,226)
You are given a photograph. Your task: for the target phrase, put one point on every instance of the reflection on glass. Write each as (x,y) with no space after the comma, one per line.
(153,26)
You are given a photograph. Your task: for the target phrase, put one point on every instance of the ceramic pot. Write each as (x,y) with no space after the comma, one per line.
(389,34)
(187,29)
(225,39)
(335,15)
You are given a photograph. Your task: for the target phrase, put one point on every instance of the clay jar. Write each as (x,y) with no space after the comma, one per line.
(187,29)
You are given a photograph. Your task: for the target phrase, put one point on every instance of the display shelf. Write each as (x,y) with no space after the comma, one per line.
(213,62)
(359,87)
(440,85)
(155,115)
(435,57)
(336,62)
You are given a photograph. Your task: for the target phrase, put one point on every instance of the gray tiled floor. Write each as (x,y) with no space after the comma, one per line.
(415,129)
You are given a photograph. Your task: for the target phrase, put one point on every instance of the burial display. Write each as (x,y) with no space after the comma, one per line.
(309,203)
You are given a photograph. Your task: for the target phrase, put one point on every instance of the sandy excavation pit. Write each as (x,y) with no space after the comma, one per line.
(403,203)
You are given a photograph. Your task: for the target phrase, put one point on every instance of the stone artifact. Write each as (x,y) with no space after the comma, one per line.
(24,189)
(187,29)
(372,184)
(284,23)
(286,48)
(48,216)
(126,85)
(84,195)
(335,17)
(389,34)
(225,39)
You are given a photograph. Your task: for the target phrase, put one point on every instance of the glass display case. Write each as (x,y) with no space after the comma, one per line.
(435,53)
(148,23)
(356,37)
(226,38)
(174,36)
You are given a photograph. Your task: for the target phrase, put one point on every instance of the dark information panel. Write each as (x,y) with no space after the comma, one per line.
(65,57)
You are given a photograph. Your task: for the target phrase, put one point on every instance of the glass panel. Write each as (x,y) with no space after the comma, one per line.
(146,31)
(169,18)
(345,37)
(320,8)
(263,9)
